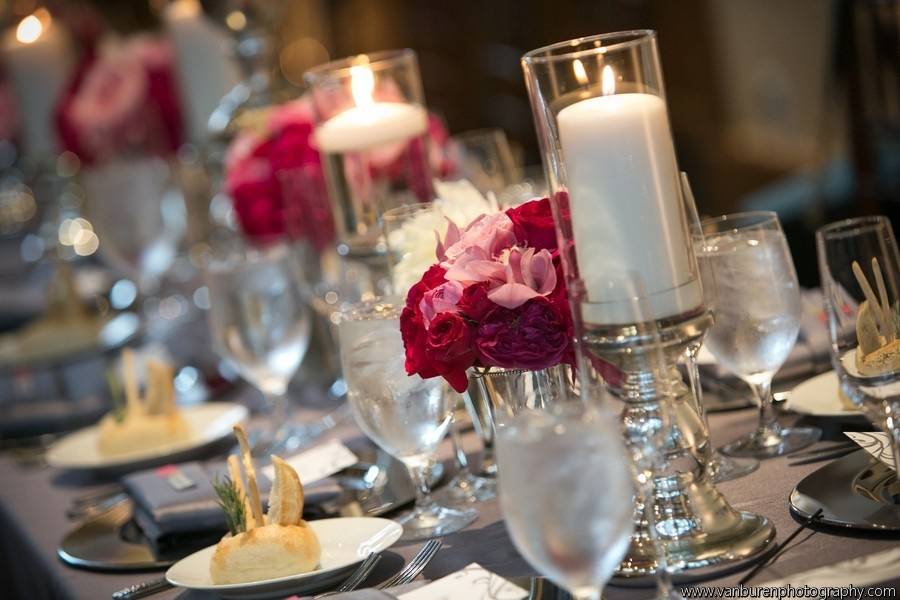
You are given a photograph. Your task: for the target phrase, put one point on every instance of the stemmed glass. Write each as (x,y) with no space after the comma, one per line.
(410,235)
(757,318)
(721,467)
(407,416)
(859,265)
(566,491)
(487,160)
(260,324)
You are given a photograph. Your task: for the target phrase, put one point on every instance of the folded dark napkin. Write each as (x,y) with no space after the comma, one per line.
(176,506)
(177,510)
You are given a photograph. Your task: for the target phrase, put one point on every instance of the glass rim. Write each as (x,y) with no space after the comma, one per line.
(239,261)
(377,60)
(368,310)
(407,210)
(853,226)
(550,53)
(761,217)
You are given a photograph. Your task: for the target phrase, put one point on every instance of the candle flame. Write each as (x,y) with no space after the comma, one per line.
(29,30)
(609,81)
(580,73)
(362,82)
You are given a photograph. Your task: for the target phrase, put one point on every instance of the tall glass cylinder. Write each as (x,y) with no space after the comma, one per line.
(609,158)
(600,112)
(371,130)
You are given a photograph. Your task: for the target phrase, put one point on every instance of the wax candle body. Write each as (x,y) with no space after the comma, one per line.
(206,68)
(622,180)
(38,71)
(366,127)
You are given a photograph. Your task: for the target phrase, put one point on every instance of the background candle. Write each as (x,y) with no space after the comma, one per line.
(369,126)
(623,186)
(38,59)
(206,69)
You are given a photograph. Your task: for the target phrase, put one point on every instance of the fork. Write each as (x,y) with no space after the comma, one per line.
(415,566)
(358,576)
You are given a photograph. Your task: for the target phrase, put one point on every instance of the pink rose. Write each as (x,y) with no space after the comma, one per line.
(533,336)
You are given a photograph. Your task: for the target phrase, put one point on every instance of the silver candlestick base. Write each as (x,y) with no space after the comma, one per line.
(697,526)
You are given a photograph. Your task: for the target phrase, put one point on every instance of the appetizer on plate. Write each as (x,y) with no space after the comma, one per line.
(260,547)
(143,423)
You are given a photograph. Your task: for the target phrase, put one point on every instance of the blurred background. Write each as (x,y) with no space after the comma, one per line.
(791,106)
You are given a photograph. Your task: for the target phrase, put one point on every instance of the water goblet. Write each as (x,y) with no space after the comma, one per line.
(859,265)
(405,415)
(577,537)
(757,318)
(260,324)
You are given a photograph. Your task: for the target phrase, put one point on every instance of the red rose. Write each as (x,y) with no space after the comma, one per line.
(432,278)
(450,346)
(534,224)
(474,303)
(415,338)
(532,336)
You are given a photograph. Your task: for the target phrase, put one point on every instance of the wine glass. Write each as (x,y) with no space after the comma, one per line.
(859,265)
(260,324)
(721,467)
(487,160)
(405,415)
(757,318)
(566,491)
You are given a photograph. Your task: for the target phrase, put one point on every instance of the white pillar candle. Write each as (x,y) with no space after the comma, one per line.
(369,124)
(206,68)
(624,198)
(38,59)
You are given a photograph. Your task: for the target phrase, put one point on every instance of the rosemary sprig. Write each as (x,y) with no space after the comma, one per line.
(232,503)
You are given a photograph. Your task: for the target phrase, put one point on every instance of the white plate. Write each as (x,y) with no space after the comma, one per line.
(345,542)
(818,396)
(208,423)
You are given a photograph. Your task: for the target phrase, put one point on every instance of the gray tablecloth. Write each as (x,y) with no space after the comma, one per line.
(33,503)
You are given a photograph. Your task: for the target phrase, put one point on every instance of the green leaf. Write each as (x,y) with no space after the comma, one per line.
(232,503)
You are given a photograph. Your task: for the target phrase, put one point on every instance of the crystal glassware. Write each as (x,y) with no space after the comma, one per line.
(371,130)
(721,466)
(260,324)
(405,415)
(486,160)
(859,265)
(757,318)
(576,538)
(600,112)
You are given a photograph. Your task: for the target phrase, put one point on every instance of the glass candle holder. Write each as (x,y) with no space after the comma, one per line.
(600,112)
(371,130)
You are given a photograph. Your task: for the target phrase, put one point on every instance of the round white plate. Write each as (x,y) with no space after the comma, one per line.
(818,396)
(345,543)
(209,423)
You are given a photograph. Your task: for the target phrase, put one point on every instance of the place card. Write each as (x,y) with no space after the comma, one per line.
(319,462)
(875,443)
(473,582)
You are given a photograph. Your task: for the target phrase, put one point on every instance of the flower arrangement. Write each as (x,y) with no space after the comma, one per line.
(122,101)
(274,174)
(495,298)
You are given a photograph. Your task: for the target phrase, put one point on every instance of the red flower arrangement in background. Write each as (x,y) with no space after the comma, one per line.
(122,102)
(274,176)
(496,298)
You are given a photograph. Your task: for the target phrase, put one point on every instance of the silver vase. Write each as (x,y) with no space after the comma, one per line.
(509,390)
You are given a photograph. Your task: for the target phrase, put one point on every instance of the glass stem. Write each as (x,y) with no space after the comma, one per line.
(587,594)
(893,427)
(420,481)
(278,413)
(768,418)
(462,461)
(664,585)
(693,371)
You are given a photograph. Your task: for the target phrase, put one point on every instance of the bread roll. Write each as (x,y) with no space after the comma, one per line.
(264,553)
